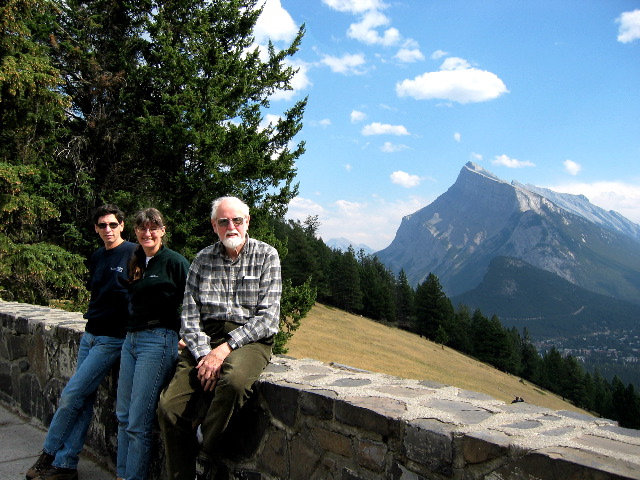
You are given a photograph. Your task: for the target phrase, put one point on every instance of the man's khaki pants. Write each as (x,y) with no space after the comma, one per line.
(184,405)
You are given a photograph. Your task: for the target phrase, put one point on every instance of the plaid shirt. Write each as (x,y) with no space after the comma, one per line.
(245,291)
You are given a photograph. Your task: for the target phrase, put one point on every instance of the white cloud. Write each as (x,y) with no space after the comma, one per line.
(357,116)
(438,54)
(476,156)
(372,223)
(348,167)
(506,161)
(389,147)
(355,6)
(300,208)
(365,30)
(377,128)
(621,197)
(370,28)
(455,81)
(629,26)
(347,64)
(455,63)
(325,122)
(274,24)
(405,179)
(409,55)
(457,136)
(572,168)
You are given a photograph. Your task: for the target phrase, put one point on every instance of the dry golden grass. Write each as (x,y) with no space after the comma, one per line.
(331,335)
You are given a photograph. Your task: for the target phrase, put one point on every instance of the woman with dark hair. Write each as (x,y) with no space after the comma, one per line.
(157,277)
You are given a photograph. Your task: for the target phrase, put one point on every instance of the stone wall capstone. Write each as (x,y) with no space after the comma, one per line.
(310,421)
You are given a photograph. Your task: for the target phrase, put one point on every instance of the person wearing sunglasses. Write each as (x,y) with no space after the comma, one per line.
(157,277)
(230,314)
(98,351)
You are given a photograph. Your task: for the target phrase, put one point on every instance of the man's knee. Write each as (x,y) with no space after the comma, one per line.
(236,384)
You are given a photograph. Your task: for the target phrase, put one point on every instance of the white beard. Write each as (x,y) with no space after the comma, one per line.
(232,242)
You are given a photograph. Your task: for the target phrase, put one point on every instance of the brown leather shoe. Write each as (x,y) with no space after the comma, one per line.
(44,461)
(57,473)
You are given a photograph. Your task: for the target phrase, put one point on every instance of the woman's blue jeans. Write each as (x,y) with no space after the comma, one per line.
(68,429)
(147,363)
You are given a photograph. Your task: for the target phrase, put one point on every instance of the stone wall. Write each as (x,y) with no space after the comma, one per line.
(310,420)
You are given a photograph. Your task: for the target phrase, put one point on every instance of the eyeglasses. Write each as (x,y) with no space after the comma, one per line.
(111,225)
(224,222)
(144,229)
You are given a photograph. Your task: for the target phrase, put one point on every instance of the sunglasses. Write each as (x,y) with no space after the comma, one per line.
(111,225)
(224,222)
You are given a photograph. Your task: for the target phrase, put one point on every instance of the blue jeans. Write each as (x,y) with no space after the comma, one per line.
(148,361)
(68,429)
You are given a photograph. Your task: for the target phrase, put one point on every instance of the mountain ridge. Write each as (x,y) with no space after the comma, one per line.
(512,290)
(481,217)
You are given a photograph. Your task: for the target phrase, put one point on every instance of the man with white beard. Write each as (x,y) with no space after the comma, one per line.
(230,314)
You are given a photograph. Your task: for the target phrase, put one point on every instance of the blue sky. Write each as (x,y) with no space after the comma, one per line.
(403,93)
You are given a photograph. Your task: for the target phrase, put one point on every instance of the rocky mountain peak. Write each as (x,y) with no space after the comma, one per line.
(481,217)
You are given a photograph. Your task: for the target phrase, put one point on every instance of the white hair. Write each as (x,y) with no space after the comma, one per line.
(244,208)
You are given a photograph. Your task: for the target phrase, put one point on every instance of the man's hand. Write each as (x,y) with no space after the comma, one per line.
(209,366)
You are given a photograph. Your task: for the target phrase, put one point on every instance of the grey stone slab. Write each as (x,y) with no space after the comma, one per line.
(276,368)
(460,412)
(525,425)
(627,432)
(347,382)
(22,443)
(390,407)
(479,447)
(523,407)
(357,412)
(430,443)
(469,395)
(431,384)
(316,369)
(348,368)
(557,432)
(600,443)
(404,392)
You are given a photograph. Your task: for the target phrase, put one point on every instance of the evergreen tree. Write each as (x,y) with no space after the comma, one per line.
(300,264)
(346,292)
(480,331)
(602,398)
(296,303)
(530,358)
(626,404)
(31,104)
(500,347)
(377,284)
(433,308)
(32,269)
(167,101)
(589,390)
(552,371)
(513,359)
(460,331)
(142,103)
(573,381)
(441,336)
(405,302)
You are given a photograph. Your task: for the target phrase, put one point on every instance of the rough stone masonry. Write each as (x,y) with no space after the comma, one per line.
(310,420)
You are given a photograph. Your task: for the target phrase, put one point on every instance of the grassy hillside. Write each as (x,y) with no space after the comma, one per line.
(331,335)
